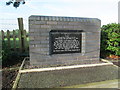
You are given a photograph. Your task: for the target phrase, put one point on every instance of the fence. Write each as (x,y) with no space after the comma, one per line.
(15,40)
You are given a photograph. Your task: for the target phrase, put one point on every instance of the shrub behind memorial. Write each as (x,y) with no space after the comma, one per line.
(110,40)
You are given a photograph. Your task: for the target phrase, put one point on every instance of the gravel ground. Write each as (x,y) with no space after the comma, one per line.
(68,77)
(28,66)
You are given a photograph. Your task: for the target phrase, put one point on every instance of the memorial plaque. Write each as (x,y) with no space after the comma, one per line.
(65,41)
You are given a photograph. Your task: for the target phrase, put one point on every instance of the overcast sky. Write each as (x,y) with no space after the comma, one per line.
(106,10)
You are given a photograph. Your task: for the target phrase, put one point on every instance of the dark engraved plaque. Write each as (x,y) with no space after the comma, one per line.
(65,41)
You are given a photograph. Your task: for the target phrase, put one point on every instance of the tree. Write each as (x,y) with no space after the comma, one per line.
(110,39)
(16,3)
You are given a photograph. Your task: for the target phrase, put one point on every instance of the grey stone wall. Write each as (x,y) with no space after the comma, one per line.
(39,28)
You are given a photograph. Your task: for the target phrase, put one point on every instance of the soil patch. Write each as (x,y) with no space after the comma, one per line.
(8,78)
(9,75)
(117,63)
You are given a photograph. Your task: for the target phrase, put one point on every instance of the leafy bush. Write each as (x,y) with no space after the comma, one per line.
(9,57)
(110,39)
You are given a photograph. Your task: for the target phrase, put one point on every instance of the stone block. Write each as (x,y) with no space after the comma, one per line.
(45,26)
(52,22)
(40,22)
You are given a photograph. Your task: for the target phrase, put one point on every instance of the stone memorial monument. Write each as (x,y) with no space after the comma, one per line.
(64,40)
(61,50)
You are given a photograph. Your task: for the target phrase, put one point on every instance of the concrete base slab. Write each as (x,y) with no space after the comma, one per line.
(102,84)
(68,77)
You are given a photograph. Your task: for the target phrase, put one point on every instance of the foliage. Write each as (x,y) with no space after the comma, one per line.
(16,3)
(110,39)
(9,57)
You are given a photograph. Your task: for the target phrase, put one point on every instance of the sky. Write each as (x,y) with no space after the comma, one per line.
(105,10)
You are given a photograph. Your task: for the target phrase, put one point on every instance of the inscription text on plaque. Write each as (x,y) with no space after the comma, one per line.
(65,41)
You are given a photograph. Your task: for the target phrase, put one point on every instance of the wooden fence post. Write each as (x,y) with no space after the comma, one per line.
(8,39)
(19,36)
(0,42)
(14,40)
(21,28)
(2,32)
(25,40)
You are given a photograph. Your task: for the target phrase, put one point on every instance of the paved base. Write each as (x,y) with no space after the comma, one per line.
(103,84)
(69,77)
